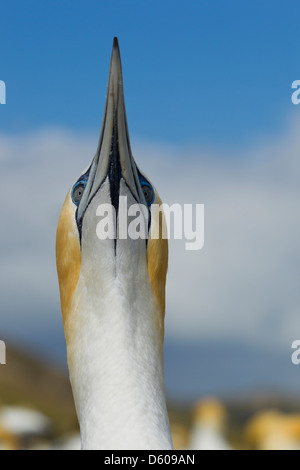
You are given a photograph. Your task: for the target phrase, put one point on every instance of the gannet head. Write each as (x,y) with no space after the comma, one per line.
(87,264)
(209,412)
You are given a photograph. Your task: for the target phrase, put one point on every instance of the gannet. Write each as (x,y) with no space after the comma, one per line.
(112,294)
(273,430)
(209,417)
(21,427)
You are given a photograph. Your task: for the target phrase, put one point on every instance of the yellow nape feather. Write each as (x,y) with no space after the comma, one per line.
(68,256)
(157,263)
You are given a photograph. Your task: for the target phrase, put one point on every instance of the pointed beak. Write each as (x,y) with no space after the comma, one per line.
(113,158)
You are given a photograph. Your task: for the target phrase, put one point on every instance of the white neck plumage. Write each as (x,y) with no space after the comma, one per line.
(115,362)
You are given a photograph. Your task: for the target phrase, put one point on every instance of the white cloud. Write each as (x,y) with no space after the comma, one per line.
(244,284)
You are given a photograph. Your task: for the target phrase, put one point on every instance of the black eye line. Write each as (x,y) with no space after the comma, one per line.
(149,219)
(83,179)
(79,223)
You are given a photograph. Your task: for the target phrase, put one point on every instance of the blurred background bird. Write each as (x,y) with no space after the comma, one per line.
(209,425)
(274,430)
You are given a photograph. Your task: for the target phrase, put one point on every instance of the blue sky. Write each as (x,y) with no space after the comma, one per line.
(212,72)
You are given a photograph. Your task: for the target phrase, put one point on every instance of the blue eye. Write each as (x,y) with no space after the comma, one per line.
(77,191)
(148,192)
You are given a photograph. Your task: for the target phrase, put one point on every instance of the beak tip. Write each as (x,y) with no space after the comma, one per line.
(115,73)
(116,43)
